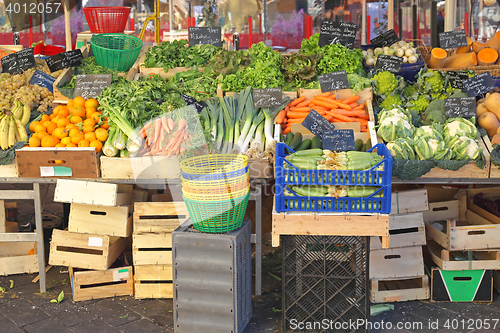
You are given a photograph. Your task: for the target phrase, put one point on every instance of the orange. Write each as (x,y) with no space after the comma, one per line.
(96,116)
(74,131)
(33,125)
(52,116)
(104,124)
(91,102)
(64,112)
(60,145)
(56,110)
(89,136)
(101,134)
(34,141)
(97,144)
(46,123)
(40,128)
(66,140)
(70,126)
(44,118)
(89,111)
(71,144)
(49,141)
(31,252)
(79,101)
(60,133)
(88,129)
(78,111)
(83,143)
(89,122)
(77,138)
(62,122)
(70,104)
(42,134)
(51,127)
(76,119)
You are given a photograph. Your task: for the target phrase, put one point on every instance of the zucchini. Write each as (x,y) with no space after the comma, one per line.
(364,148)
(316,143)
(306,144)
(358,144)
(368,143)
(297,139)
(309,152)
(289,138)
(282,138)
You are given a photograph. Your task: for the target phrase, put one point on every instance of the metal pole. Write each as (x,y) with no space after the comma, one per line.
(363,23)
(265,19)
(39,236)
(67,26)
(449,17)
(258,240)
(171,15)
(390,14)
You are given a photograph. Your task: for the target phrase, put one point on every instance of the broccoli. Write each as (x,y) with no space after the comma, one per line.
(411,169)
(391,100)
(495,156)
(452,165)
(408,91)
(420,104)
(385,83)
(434,113)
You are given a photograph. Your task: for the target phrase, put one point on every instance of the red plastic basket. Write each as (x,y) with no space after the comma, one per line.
(107,19)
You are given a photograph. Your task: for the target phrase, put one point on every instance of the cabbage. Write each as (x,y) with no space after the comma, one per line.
(427,148)
(392,128)
(402,149)
(456,127)
(429,132)
(465,148)
(396,112)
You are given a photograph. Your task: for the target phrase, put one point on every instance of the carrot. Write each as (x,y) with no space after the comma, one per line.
(170,124)
(325,94)
(349,113)
(164,123)
(303,109)
(324,104)
(295,120)
(352,105)
(352,99)
(286,130)
(342,117)
(333,97)
(304,103)
(182,124)
(297,101)
(360,120)
(281,116)
(341,105)
(360,107)
(295,114)
(142,132)
(158,128)
(320,108)
(173,143)
(324,99)
(311,105)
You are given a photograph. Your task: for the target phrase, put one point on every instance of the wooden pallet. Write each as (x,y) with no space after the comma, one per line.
(92,193)
(405,230)
(113,282)
(148,167)
(399,290)
(152,249)
(396,263)
(304,223)
(410,201)
(447,260)
(159,216)
(101,220)
(86,251)
(15,258)
(47,163)
(153,281)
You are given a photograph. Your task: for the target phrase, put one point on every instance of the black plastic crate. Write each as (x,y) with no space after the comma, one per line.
(325,283)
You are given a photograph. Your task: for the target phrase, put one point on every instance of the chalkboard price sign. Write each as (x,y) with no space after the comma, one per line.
(460,107)
(456,79)
(91,85)
(389,63)
(337,32)
(333,81)
(193,101)
(338,140)
(479,84)
(452,39)
(43,80)
(317,124)
(18,62)
(386,39)
(205,35)
(267,97)
(64,60)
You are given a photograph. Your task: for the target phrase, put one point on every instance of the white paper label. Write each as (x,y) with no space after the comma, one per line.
(95,241)
(47,172)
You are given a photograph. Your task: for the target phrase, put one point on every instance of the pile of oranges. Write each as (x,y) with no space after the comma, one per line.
(78,124)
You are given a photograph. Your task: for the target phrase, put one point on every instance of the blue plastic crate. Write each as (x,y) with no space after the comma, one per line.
(215,176)
(371,177)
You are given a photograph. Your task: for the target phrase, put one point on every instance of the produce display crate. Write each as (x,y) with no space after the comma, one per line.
(405,230)
(462,286)
(152,217)
(15,258)
(145,72)
(371,177)
(86,251)
(152,249)
(93,193)
(101,220)
(57,163)
(148,167)
(7,221)
(399,290)
(398,263)
(494,170)
(153,281)
(410,201)
(9,170)
(87,285)
(473,233)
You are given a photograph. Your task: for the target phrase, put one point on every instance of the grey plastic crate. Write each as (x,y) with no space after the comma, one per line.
(212,280)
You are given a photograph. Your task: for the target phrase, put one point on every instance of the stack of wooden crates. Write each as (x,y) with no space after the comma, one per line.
(99,230)
(397,273)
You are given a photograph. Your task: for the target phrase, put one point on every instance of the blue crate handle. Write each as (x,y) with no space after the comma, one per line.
(365,198)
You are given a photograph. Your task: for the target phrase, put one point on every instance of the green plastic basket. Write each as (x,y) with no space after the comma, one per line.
(217,216)
(116,51)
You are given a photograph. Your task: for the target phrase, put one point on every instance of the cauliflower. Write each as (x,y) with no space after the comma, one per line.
(385,82)
(391,100)
(420,104)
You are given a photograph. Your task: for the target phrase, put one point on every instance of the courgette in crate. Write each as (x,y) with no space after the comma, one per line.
(358,144)
(316,143)
(297,139)
(289,138)
(306,144)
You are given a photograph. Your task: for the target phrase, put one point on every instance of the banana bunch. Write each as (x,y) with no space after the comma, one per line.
(12,125)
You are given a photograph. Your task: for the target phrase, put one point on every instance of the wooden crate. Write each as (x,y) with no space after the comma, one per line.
(341,94)
(86,251)
(396,263)
(5,225)
(152,248)
(494,170)
(87,285)
(410,201)
(15,258)
(9,170)
(92,193)
(153,281)
(405,230)
(304,223)
(159,216)
(492,193)
(65,77)
(57,163)
(101,220)
(399,290)
(496,280)
(149,167)
(462,286)
(458,260)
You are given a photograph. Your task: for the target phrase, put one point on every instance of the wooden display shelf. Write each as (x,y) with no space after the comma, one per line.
(406,230)
(399,290)
(153,281)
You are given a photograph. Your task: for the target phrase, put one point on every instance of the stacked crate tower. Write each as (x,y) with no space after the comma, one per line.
(397,273)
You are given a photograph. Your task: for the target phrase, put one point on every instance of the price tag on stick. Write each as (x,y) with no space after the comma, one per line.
(389,63)
(18,62)
(337,32)
(317,124)
(43,80)
(456,79)
(64,60)
(460,107)
(205,35)
(267,97)
(386,39)
(452,39)
(333,81)
(91,85)
(338,140)
(479,84)
(193,101)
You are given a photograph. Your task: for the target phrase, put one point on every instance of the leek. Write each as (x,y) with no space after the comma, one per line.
(120,140)
(240,110)
(249,115)
(220,131)
(109,150)
(227,107)
(124,153)
(117,118)
(257,119)
(270,115)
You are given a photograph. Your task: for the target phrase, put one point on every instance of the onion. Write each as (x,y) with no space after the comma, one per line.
(409,52)
(405,47)
(385,48)
(400,52)
(401,43)
(369,51)
(379,50)
(370,61)
(364,53)
(412,59)
(405,59)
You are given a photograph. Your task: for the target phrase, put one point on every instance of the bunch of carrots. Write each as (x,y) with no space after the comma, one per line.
(326,104)
(164,136)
